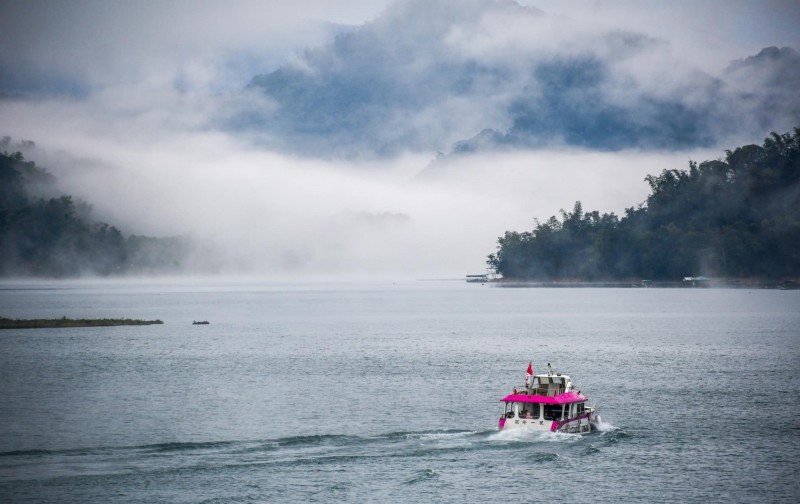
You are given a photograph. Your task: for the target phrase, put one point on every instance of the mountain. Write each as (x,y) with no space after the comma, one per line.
(467,75)
(765,87)
(47,234)
(736,216)
(397,83)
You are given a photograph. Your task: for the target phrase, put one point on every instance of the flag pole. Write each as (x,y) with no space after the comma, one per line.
(529,376)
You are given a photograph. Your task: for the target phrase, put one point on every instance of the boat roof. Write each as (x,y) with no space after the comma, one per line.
(552,375)
(568,397)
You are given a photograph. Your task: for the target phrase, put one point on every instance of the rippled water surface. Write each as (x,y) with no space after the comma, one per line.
(370,392)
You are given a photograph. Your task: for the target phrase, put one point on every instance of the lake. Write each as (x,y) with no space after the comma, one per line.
(370,392)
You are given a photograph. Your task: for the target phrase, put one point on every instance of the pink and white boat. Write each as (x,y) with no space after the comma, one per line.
(549,403)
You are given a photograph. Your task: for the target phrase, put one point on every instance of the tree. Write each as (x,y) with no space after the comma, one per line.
(736,216)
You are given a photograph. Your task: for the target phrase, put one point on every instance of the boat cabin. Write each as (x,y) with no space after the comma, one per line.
(548,402)
(549,385)
(528,409)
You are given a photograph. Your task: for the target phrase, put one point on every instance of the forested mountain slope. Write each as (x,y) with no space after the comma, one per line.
(738,216)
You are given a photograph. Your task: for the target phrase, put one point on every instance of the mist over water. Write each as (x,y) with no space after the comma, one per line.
(264,213)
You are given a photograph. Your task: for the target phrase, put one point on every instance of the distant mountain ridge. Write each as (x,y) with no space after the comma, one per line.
(44,233)
(470,75)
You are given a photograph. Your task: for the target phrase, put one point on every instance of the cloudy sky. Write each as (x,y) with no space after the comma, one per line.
(302,136)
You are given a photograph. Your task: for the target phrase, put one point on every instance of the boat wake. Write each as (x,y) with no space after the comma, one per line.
(602,426)
(531,436)
(317,450)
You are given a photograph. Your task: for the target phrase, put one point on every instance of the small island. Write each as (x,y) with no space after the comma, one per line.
(7,323)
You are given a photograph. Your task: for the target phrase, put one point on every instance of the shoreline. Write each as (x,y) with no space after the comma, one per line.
(738,283)
(64,322)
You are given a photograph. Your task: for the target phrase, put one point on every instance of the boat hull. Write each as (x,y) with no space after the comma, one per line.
(582,423)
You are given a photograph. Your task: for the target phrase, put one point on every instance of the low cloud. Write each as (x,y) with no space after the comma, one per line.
(272,214)
(324,166)
(430,76)
(80,46)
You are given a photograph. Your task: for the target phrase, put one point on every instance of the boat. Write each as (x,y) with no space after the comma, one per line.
(548,403)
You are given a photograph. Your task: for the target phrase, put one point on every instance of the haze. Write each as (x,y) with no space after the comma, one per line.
(155,114)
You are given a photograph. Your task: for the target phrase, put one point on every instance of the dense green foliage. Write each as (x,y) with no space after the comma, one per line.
(50,235)
(734,217)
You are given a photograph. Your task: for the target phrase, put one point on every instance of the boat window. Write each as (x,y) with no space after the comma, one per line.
(529,410)
(552,411)
(580,409)
(509,410)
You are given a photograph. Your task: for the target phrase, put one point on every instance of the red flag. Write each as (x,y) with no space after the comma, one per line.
(528,374)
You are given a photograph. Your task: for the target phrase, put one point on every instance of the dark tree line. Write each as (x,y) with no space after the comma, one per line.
(738,216)
(50,235)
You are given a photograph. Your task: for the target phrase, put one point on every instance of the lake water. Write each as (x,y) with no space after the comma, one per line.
(315,392)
